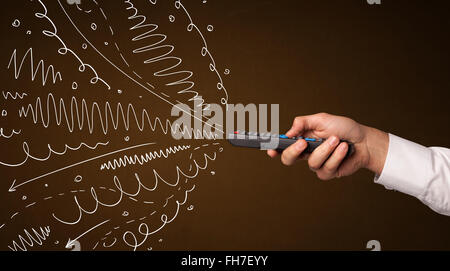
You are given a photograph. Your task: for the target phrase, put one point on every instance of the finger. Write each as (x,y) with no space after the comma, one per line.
(329,168)
(303,123)
(290,155)
(272,153)
(321,154)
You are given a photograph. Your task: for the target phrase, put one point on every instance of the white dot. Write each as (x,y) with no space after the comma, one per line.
(93,26)
(210,28)
(171,18)
(16,23)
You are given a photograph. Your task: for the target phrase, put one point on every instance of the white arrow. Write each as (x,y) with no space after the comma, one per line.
(14,186)
(70,243)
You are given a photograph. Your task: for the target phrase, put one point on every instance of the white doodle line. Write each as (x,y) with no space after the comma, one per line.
(112,34)
(151,214)
(168,198)
(61,115)
(34,70)
(15,186)
(13,132)
(143,158)
(160,38)
(128,76)
(123,193)
(147,233)
(80,9)
(205,51)
(26,150)
(52,197)
(64,49)
(31,240)
(70,242)
(13,96)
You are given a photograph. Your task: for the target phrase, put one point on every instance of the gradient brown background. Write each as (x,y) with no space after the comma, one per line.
(385,65)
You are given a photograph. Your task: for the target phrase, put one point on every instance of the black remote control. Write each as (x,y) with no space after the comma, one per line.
(254,140)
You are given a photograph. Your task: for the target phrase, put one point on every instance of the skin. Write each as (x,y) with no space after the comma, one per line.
(327,161)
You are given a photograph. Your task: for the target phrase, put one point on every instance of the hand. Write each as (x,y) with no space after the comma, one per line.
(327,160)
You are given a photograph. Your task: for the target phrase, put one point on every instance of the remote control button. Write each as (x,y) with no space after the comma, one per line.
(283,136)
(310,139)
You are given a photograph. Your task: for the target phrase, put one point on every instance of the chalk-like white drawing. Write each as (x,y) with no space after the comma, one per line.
(44,72)
(374,245)
(35,237)
(106,132)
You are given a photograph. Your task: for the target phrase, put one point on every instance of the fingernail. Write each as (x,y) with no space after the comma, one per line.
(300,145)
(333,141)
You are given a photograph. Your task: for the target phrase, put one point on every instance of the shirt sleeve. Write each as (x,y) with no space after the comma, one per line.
(418,171)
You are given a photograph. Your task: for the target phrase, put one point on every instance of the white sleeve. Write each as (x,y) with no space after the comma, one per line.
(418,171)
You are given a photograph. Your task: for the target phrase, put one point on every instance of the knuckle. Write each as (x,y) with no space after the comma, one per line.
(322,115)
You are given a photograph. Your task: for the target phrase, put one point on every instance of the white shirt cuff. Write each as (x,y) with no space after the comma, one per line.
(406,168)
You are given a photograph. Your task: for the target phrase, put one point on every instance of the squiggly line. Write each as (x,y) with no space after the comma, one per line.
(80,9)
(13,132)
(156,40)
(131,78)
(34,69)
(14,186)
(143,158)
(147,233)
(205,52)
(123,193)
(73,116)
(30,240)
(64,49)
(17,94)
(26,150)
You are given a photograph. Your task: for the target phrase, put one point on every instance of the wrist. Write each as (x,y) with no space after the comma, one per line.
(377,144)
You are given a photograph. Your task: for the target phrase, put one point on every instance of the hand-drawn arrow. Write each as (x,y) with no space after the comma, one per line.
(13,186)
(70,243)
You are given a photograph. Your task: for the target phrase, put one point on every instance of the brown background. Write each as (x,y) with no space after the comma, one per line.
(385,66)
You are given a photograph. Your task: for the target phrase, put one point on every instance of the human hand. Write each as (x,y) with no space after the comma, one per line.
(327,160)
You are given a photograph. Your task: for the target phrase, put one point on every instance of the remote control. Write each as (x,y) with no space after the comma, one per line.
(254,140)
